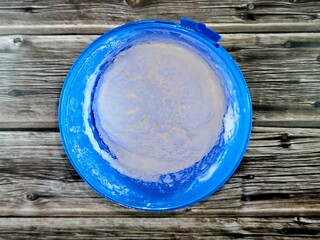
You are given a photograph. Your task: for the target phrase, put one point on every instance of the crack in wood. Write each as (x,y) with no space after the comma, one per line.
(265,196)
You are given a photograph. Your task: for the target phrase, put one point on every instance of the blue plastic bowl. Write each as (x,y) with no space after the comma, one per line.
(77,125)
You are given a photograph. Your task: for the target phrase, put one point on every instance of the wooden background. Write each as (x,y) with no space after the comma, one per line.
(275,193)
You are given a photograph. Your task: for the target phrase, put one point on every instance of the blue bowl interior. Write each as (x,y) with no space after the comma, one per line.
(189,185)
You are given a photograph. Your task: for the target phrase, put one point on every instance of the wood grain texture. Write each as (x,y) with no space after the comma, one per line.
(274,194)
(279,176)
(160,228)
(282,72)
(79,16)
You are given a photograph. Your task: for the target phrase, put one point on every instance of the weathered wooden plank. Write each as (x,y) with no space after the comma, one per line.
(65,16)
(88,29)
(281,70)
(279,176)
(159,228)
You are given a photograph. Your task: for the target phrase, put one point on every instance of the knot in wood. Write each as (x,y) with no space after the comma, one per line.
(249,16)
(245,198)
(285,141)
(17,41)
(250,176)
(285,137)
(188,210)
(317,104)
(250,6)
(287,44)
(137,3)
(32,196)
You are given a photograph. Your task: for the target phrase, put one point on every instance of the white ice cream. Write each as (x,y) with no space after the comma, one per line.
(159,107)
